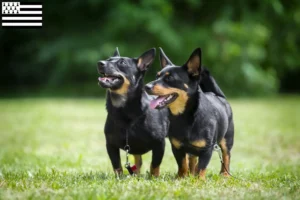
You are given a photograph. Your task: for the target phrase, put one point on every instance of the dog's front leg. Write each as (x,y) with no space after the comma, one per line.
(114,155)
(193,160)
(203,161)
(157,156)
(138,161)
(182,161)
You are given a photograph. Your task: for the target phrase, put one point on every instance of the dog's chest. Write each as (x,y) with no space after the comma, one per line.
(138,136)
(184,135)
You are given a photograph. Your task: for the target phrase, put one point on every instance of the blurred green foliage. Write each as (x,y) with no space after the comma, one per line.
(250,46)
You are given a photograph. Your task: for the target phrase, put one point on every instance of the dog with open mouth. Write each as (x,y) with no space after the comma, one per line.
(200,116)
(129,120)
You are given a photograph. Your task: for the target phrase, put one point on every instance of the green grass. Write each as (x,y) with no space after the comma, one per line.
(55,149)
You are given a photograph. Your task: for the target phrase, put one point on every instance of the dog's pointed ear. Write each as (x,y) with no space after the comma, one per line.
(146,59)
(193,65)
(116,53)
(164,60)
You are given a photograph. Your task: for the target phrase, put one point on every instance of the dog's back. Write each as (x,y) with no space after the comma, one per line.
(208,83)
(214,109)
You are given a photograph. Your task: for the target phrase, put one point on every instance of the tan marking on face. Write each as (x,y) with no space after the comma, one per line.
(202,174)
(176,143)
(199,143)
(193,160)
(176,107)
(183,169)
(138,163)
(186,86)
(124,88)
(154,171)
(158,73)
(167,73)
(193,65)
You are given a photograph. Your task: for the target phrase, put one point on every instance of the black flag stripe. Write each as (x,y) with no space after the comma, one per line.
(29,9)
(31,3)
(22,27)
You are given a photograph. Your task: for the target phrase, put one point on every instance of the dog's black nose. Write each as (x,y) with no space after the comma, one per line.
(148,88)
(101,63)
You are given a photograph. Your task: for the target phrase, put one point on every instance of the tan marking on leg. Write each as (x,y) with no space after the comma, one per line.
(158,74)
(225,157)
(193,160)
(183,170)
(138,163)
(124,88)
(186,86)
(202,174)
(167,73)
(226,160)
(223,144)
(199,143)
(176,143)
(178,106)
(154,171)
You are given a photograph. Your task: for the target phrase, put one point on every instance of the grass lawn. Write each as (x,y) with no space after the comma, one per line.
(55,149)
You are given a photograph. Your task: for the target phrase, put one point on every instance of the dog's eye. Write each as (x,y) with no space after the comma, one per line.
(169,78)
(122,62)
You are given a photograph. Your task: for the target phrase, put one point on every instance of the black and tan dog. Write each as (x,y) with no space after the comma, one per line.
(128,111)
(199,116)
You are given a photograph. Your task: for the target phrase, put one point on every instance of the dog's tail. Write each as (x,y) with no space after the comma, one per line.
(208,84)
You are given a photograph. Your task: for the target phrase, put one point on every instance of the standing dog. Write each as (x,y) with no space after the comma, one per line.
(129,117)
(199,116)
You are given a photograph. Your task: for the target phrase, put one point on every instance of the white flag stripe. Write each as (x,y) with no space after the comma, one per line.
(31,12)
(22,18)
(30,6)
(22,24)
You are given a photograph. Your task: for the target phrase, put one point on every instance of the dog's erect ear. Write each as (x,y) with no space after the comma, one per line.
(146,59)
(164,60)
(116,53)
(193,65)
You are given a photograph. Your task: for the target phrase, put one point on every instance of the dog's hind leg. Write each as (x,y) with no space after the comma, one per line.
(114,155)
(226,158)
(226,144)
(138,163)
(157,156)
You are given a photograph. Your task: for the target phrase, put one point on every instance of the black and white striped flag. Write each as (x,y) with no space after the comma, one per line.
(22,14)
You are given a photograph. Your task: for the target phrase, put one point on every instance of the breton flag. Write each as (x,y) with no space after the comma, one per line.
(22,14)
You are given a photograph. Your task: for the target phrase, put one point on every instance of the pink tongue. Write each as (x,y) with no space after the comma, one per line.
(104,79)
(154,103)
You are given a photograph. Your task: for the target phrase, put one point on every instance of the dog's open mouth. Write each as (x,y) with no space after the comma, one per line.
(110,81)
(163,101)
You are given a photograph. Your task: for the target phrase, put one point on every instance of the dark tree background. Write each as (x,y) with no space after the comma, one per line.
(252,47)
